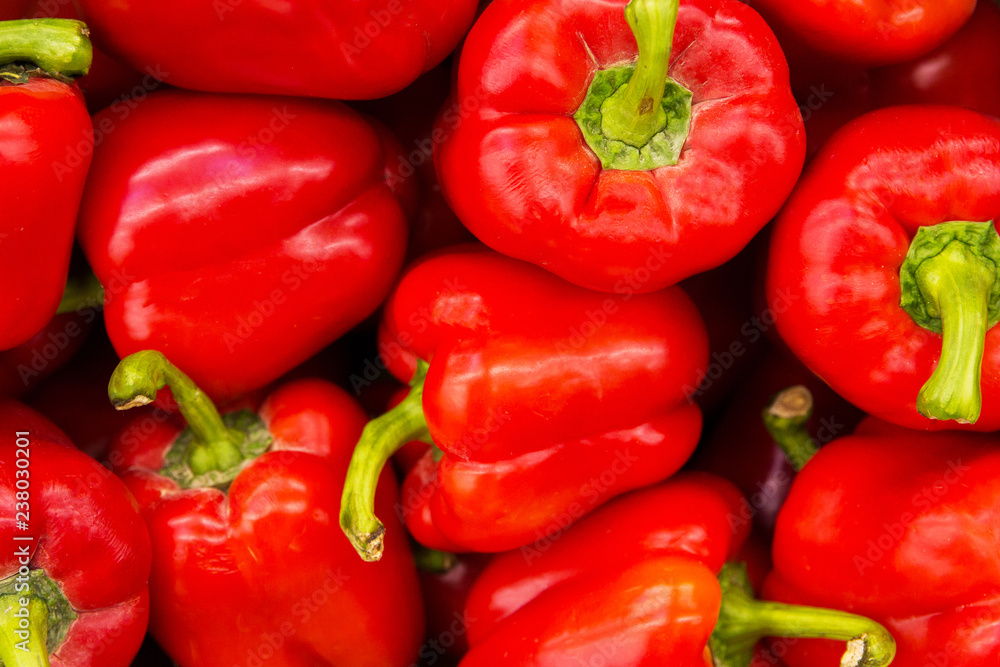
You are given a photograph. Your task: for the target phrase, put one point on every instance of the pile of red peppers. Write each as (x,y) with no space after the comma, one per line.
(542,333)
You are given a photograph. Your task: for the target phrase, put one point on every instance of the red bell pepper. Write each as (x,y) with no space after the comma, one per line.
(248,561)
(898,525)
(615,186)
(239,235)
(964,71)
(446,581)
(635,584)
(546,400)
(740,449)
(358,50)
(46,143)
(864,32)
(74,573)
(885,245)
(107,79)
(23,367)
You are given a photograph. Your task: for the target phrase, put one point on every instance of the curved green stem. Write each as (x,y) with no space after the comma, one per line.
(949,285)
(80,294)
(23,631)
(744,621)
(633,114)
(137,379)
(58,46)
(379,441)
(785,419)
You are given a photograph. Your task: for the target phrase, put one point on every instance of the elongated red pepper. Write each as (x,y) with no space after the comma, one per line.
(239,235)
(917,549)
(242,513)
(887,246)
(866,32)
(46,143)
(74,572)
(356,50)
(613,180)
(545,398)
(635,584)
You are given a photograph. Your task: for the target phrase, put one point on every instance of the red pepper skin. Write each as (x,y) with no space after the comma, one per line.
(740,449)
(239,235)
(520,176)
(536,389)
(89,538)
(904,526)
(46,145)
(676,535)
(360,50)
(965,70)
(269,553)
(840,241)
(865,33)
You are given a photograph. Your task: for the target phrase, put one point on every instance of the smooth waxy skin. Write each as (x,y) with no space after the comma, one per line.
(869,32)
(239,235)
(267,558)
(536,387)
(361,49)
(641,570)
(915,548)
(519,175)
(839,244)
(89,538)
(46,142)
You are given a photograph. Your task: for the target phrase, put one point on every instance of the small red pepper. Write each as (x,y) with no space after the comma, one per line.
(74,571)
(621,163)
(546,400)
(634,584)
(46,142)
(350,51)
(446,581)
(239,235)
(865,32)
(248,561)
(897,525)
(887,246)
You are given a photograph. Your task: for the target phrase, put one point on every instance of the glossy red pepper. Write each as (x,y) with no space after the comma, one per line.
(865,32)
(239,235)
(46,143)
(903,527)
(546,399)
(740,448)
(107,79)
(74,573)
(248,561)
(964,71)
(635,584)
(613,186)
(356,50)
(885,244)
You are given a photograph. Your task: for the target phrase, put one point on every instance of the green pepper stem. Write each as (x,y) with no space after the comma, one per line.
(634,113)
(785,419)
(380,439)
(23,631)
(744,621)
(58,46)
(957,285)
(137,379)
(80,294)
